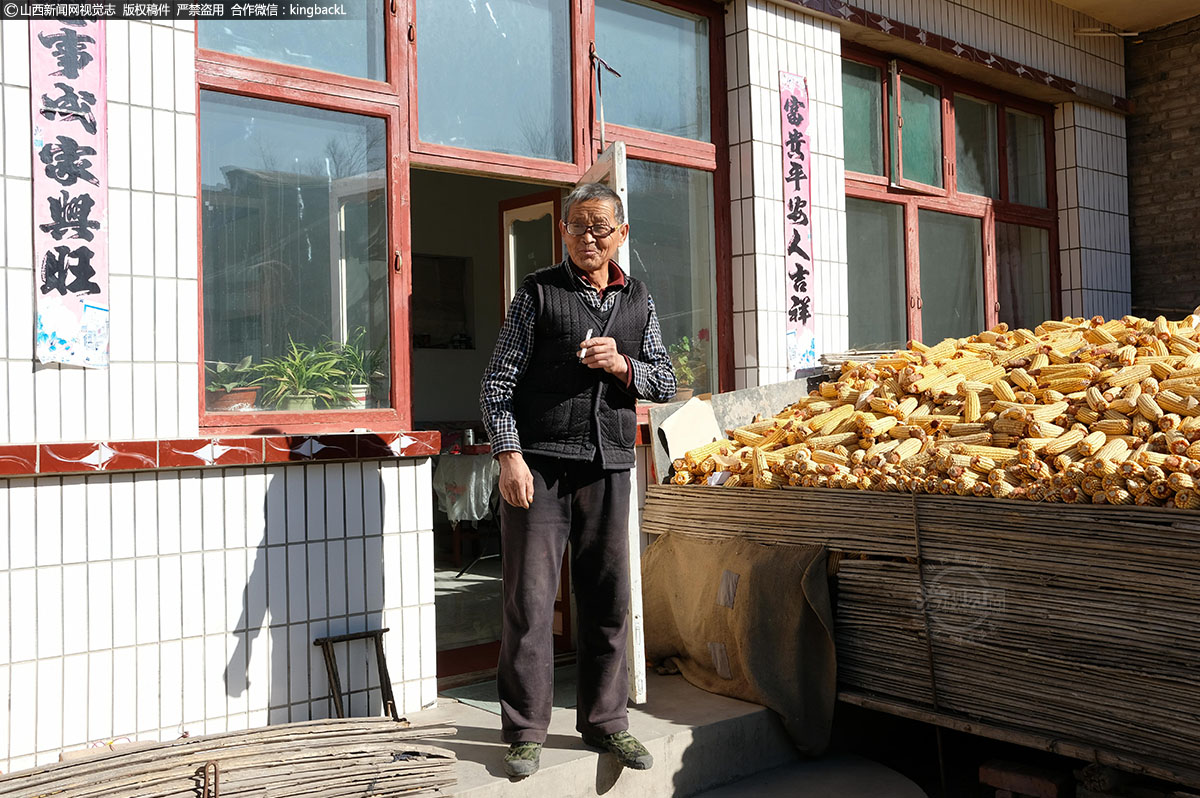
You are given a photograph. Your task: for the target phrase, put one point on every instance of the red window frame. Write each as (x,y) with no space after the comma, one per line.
(947,199)
(395,100)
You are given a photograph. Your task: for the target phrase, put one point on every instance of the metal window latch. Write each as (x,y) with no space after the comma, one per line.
(396,260)
(412,32)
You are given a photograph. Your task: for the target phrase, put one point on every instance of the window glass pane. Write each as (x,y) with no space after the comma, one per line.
(875,253)
(495,76)
(862,118)
(294,219)
(1023,274)
(1026,159)
(951,253)
(662,56)
(671,249)
(977,164)
(350,45)
(921,134)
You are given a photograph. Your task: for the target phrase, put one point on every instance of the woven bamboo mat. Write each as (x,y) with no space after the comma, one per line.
(1073,624)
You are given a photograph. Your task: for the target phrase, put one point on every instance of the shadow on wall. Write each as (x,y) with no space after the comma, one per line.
(318,572)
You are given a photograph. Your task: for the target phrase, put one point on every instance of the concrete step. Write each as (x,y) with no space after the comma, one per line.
(698,740)
(845,776)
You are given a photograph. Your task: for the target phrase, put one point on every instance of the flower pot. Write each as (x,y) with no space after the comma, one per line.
(297,403)
(360,393)
(683,394)
(236,400)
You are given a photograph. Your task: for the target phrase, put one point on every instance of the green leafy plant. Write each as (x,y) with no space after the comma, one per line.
(361,364)
(305,372)
(222,376)
(689,359)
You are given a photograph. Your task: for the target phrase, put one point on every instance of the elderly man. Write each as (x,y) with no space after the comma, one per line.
(580,345)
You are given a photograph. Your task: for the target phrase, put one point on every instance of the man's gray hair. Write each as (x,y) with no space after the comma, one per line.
(595,191)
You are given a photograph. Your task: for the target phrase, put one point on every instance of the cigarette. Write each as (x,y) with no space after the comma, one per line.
(583,349)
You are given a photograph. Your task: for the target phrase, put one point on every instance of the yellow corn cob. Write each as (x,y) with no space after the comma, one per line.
(1010,425)
(1047,412)
(983,465)
(830,419)
(1100,336)
(1004,392)
(878,427)
(904,450)
(826,457)
(1118,496)
(830,441)
(1086,415)
(1124,405)
(1113,426)
(1181,481)
(1129,374)
(1187,500)
(1068,370)
(1149,408)
(1114,449)
(1022,379)
(746,438)
(694,457)
(1068,384)
(971,406)
(682,478)
(1001,456)
(1067,440)
(1045,429)
(1092,442)
(1186,342)
(976,439)
(906,407)
(1172,402)
(758,427)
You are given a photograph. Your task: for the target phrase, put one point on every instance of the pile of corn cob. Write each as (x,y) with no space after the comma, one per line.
(1075,411)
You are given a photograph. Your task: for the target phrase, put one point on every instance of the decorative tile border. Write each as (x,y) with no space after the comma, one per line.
(25,460)
(967,52)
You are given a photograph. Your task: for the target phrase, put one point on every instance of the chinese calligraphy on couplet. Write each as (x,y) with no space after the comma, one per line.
(798,249)
(70,191)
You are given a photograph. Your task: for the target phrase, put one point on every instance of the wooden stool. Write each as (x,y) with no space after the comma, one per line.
(335,683)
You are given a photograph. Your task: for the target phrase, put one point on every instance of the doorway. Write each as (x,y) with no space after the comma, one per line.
(473,239)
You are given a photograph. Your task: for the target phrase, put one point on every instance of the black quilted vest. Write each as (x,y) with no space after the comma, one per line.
(565,409)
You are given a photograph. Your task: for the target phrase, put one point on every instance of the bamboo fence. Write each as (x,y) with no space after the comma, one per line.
(1068,627)
(336,758)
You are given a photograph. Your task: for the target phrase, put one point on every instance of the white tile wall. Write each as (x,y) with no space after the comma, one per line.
(1093,202)
(762,39)
(151,388)
(108,631)
(1036,33)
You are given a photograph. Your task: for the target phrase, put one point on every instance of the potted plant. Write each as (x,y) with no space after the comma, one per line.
(362,366)
(231,386)
(689,359)
(303,377)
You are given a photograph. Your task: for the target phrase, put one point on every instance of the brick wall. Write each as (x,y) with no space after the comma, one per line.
(1164,168)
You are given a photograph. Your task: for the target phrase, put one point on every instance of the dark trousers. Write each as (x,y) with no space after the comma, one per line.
(588,506)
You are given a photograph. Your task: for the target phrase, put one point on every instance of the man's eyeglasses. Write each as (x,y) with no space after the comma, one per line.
(599,230)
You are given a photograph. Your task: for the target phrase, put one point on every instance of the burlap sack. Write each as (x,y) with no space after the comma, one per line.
(749,621)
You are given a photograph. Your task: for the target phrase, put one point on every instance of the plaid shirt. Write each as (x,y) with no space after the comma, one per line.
(649,376)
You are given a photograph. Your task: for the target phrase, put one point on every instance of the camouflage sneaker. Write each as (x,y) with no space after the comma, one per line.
(625,747)
(522,759)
